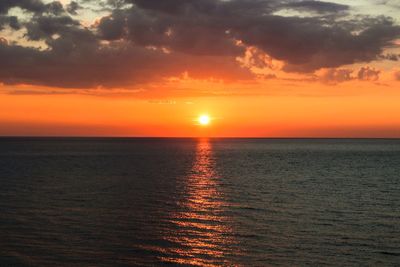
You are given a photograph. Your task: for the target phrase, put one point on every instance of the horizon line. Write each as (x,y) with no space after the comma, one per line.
(183,137)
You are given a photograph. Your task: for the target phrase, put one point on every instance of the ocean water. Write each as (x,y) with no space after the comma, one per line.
(199,202)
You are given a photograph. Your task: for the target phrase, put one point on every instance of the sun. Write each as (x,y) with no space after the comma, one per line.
(204,120)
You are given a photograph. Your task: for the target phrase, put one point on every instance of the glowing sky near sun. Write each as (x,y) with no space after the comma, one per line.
(153,67)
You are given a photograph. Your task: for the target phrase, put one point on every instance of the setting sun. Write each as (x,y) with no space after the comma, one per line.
(204,120)
(221,132)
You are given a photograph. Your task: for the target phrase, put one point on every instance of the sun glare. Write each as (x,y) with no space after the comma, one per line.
(204,120)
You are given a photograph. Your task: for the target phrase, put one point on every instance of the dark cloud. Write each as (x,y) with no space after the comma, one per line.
(112,27)
(307,44)
(73,7)
(55,8)
(188,34)
(76,64)
(390,56)
(177,6)
(146,40)
(35,6)
(45,27)
(11,21)
(318,6)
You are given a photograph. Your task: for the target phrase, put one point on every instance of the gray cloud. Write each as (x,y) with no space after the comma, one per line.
(45,27)
(35,6)
(74,64)
(390,56)
(11,21)
(318,6)
(336,75)
(73,7)
(306,44)
(146,40)
(368,74)
(55,8)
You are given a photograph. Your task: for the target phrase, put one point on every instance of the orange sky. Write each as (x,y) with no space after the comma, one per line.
(353,110)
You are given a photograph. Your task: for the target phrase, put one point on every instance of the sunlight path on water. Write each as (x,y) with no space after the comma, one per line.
(204,236)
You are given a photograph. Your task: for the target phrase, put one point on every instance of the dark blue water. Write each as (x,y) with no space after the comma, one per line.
(246,202)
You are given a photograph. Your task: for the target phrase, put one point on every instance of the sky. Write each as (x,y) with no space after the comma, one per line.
(257,68)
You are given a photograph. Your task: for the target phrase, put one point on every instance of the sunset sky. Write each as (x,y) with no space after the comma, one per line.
(257,68)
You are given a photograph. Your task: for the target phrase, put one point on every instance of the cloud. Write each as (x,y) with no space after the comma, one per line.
(3,41)
(73,7)
(35,6)
(141,41)
(318,6)
(11,21)
(338,75)
(397,75)
(335,75)
(368,74)
(390,56)
(110,66)
(312,46)
(177,32)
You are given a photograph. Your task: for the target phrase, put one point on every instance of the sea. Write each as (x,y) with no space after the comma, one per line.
(199,202)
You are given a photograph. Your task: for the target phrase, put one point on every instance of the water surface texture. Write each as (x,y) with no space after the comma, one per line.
(199,202)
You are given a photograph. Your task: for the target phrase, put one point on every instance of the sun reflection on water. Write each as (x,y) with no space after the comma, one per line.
(203,235)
